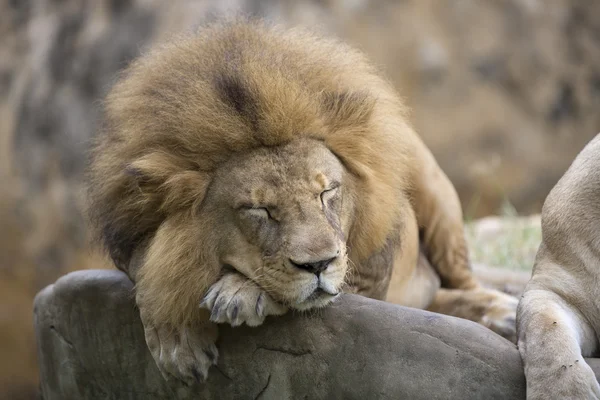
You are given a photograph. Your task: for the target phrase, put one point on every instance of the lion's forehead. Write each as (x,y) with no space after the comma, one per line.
(277,175)
(265,187)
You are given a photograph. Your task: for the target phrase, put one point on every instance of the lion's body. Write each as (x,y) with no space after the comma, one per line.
(559,313)
(216,155)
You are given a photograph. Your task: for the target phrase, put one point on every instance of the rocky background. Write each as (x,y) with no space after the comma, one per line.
(505,93)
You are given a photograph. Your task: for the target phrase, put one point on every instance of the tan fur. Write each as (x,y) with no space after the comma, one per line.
(559,314)
(204,132)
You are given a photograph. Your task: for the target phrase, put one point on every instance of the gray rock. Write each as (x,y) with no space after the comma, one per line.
(91,346)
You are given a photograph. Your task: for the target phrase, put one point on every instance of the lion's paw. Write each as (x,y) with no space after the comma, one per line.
(235,299)
(185,353)
(500,315)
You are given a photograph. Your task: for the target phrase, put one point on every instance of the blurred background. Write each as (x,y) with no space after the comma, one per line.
(504,92)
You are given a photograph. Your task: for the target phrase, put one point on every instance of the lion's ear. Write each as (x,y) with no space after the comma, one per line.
(171,181)
(350,108)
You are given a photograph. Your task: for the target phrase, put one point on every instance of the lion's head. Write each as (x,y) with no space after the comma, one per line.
(285,219)
(276,153)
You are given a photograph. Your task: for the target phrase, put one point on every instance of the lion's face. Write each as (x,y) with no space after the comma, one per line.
(284,221)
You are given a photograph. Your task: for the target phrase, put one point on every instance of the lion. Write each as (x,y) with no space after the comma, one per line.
(558,317)
(247,170)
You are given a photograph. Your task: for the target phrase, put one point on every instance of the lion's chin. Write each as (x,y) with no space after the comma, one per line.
(318,299)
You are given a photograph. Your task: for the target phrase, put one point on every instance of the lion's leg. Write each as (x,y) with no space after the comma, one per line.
(490,308)
(439,215)
(180,336)
(419,289)
(553,339)
(180,327)
(186,352)
(412,280)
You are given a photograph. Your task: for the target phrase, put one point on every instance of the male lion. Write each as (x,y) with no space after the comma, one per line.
(559,313)
(247,170)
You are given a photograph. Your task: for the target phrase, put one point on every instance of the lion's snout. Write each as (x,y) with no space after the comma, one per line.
(317,283)
(315,267)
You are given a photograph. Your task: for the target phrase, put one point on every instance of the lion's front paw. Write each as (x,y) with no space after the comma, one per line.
(183,353)
(500,315)
(235,299)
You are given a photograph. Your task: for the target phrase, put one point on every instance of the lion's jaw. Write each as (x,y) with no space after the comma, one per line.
(284,219)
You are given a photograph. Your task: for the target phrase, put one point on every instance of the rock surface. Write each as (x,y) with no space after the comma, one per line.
(91,345)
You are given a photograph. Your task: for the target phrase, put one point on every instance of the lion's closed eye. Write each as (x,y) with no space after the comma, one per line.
(328,195)
(256,212)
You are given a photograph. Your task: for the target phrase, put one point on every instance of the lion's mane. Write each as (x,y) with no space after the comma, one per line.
(177,113)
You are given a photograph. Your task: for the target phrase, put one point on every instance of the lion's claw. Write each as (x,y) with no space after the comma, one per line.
(182,353)
(234,299)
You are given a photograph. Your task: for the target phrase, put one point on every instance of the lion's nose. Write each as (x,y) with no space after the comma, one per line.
(314,267)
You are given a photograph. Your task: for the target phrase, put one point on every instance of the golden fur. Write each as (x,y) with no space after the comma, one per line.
(199,123)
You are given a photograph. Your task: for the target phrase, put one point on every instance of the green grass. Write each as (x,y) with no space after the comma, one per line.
(508,241)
